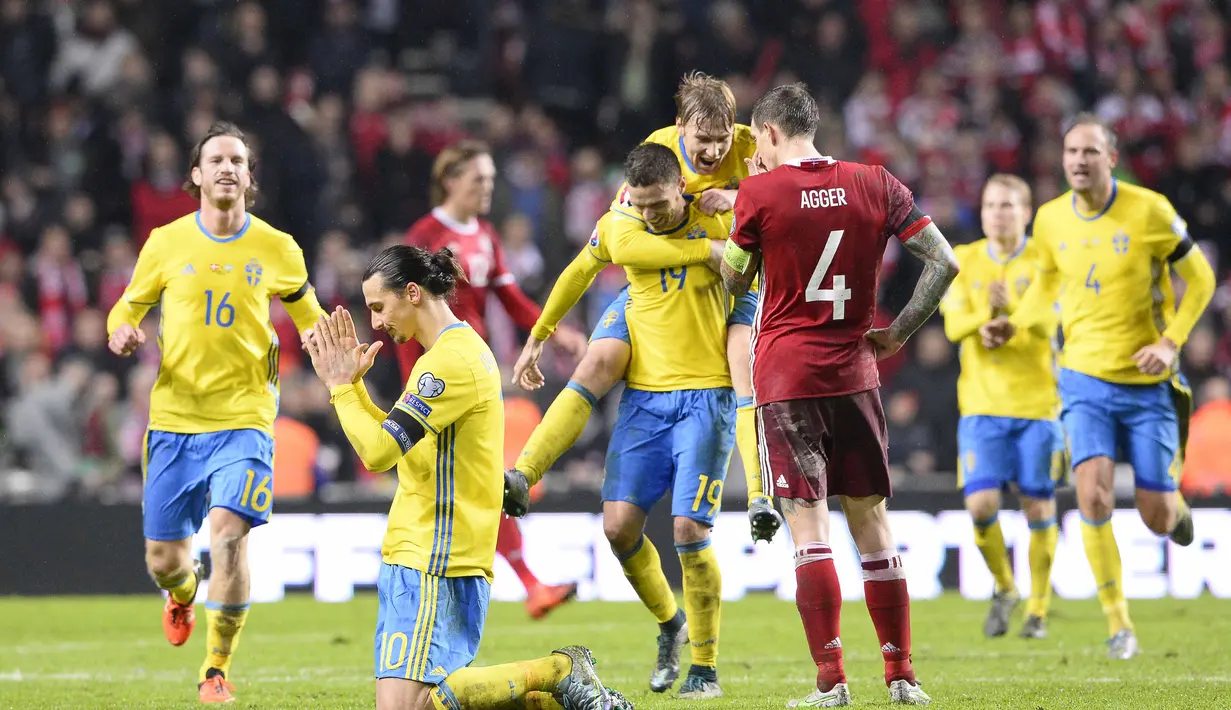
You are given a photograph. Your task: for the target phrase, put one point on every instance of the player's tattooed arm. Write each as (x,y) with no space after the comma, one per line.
(940,267)
(739,268)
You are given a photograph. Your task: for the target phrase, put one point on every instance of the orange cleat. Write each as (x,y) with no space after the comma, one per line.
(545,597)
(178,619)
(216,690)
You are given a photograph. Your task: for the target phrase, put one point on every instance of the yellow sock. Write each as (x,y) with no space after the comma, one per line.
(1104,557)
(746,442)
(644,570)
(182,586)
(562,425)
(538,700)
(225,622)
(702,600)
(1043,535)
(504,685)
(990,541)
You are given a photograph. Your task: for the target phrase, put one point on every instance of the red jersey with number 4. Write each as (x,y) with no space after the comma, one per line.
(821,226)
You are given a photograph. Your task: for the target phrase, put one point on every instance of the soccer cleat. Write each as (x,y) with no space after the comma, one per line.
(1035,627)
(903,693)
(618,701)
(1122,646)
(581,689)
(1183,533)
(216,690)
(1003,604)
(670,641)
(701,684)
(178,620)
(764,520)
(545,597)
(837,696)
(516,493)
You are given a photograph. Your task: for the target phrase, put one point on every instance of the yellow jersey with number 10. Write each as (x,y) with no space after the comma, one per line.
(219,367)
(1116,294)
(677,317)
(1017,380)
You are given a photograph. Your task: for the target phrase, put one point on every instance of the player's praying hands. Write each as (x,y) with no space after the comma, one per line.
(336,365)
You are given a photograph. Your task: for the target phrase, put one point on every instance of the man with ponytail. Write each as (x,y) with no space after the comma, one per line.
(463,177)
(445,434)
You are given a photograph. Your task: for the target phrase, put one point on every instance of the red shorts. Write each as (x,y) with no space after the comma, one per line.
(825,446)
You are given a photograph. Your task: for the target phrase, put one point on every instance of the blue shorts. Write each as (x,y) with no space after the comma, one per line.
(614,325)
(187,474)
(1140,421)
(679,441)
(427,626)
(997,451)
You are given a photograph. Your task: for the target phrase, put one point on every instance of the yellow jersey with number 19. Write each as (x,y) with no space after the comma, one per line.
(677,317)
(1017,380)
(1116,294)
(219,368)
(446,511)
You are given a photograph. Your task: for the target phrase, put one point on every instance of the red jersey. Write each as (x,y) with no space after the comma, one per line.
(476,246)
(821,226)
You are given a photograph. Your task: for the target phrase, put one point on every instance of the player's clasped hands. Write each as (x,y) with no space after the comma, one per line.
(998,296)
(996,332)
(125,340)
(337,355)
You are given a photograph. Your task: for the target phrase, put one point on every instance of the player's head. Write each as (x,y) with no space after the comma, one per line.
(784,114)
(402,281)
(1006,207)
(705,117)
(463,178)
(655,185)
(220,167)
(1089,153)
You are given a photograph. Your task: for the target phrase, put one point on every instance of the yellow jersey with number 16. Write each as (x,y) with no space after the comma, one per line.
(219,368)
(1116,294)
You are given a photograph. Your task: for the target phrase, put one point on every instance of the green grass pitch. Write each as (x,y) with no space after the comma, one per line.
(110,653)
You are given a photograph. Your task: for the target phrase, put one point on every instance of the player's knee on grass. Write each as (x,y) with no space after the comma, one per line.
(688,530)
(1158,510)
(604,364)
(401,694)
(984,504)
(1096,488)
(869,523)
(165,559)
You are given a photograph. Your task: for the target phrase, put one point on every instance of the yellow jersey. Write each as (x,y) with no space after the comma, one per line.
(219,368)
(1019,379)
(1115,278)
(730,171)
(446,511)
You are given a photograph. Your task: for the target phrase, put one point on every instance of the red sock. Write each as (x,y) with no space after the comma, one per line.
(884,588)
(819,599)
(508,544)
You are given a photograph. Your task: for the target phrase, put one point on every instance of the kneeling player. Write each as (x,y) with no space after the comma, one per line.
(445,434)
(807,222)
(1009,433)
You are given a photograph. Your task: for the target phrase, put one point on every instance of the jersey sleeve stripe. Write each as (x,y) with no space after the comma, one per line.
(141,303)
(298,294)
(418,417)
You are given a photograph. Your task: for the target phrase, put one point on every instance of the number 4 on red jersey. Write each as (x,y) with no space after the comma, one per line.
(821,226)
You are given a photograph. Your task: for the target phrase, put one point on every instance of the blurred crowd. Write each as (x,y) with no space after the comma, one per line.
(348,102)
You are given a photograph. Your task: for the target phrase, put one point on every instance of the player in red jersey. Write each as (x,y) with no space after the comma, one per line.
(815,230)
(462,180)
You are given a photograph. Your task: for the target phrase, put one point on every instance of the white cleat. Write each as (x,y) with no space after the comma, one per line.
(903,693)
(837,696)
(1123,645)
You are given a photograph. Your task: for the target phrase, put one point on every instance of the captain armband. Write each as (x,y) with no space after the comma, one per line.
(405,429)
(736,257)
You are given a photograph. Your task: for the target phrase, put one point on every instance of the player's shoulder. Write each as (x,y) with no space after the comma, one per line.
(189,224)
(969,252)
(267,233)
(460,356)
(742,142)
(667,135)
(1137,197)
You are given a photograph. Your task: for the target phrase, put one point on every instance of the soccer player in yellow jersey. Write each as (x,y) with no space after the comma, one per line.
(1106,250)
(445,434)
(675,427)
(713,151)
(1009,433)
(209,448)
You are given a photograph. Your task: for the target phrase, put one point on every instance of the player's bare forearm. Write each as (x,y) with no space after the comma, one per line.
(739,268)
(940,268)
